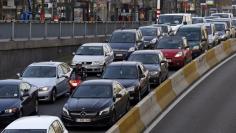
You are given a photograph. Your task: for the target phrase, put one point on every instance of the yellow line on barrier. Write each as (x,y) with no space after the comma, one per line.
(165,94)
(190,72)
(211,58)
(131,122)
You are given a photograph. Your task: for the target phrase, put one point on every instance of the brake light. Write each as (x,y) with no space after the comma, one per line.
(75,83)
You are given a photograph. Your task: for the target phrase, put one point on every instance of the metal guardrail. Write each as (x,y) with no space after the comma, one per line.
(34,30)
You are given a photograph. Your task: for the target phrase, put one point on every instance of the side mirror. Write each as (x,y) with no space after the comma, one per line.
(106,41)
(142,76)
(18,75)
(118,95)
(204,39)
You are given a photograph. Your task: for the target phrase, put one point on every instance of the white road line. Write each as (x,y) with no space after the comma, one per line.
(149,129)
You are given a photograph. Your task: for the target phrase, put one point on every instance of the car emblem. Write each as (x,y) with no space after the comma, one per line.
(82,114)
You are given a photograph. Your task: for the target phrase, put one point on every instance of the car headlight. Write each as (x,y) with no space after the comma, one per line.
(44,89)
(196,47)
(105,111)
(179,54)
(132,49)
(153,73)
(98,62)
(153,41)
(12,110)
(65,111)
(132,88)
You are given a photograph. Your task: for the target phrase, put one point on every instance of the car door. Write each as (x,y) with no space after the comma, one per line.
(61,81)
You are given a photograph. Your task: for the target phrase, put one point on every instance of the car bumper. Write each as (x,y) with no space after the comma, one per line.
(121,55)
(175,62)
(98,121)
(8,118)
(44,95)
(93,68)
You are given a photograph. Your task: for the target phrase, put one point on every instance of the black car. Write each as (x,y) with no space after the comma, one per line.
(150,35)
(197,37)
(96,103)
(132,75)
(17,99)
(124,42)
(154,62)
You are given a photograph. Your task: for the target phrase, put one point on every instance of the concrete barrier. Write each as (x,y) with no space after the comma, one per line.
(141,115)
(15,56)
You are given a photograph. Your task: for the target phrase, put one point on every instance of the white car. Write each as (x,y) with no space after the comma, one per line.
(93,56)
(50,77)
(36,124)
(213,37)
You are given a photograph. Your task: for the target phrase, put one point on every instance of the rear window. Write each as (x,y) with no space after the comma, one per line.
(122,37)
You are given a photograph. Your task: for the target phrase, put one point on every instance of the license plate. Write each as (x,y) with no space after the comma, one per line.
(169,60)
(119,55)
(83,120)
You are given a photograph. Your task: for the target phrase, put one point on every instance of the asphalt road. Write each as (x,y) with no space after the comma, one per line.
(209,108)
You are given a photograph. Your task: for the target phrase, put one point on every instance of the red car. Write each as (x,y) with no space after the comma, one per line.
(176,50)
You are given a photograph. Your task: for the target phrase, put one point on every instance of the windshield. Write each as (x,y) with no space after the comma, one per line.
(149,31)
(169,44)
(90,50)
(93,91)
(9,91)
(39,72)
(190,34)
(197,20)
(209,30)
(220,27)
(25,131)
(221,15)
(170,19)
(121,72)
(123,37)
(152,58)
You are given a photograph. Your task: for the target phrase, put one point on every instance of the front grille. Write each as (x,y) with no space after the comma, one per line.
(83,114)
(86,63)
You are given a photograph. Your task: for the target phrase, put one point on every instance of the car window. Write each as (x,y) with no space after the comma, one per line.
(59,71)
(152,58)
(9,91)
(57,127)
(39,72)
(120,72)
(51,130)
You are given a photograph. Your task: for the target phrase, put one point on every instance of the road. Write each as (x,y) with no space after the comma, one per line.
(208,108)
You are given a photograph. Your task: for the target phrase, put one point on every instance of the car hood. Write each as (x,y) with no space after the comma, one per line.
(41,82)
(169,53)
(128,82)
(148,38)
(88,104)
(6,103)
(121,46)
(152,67)
(88,58)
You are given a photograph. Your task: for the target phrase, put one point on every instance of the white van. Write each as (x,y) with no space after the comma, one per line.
(175,20)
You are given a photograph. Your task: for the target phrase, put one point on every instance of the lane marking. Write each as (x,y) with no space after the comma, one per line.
(149,129)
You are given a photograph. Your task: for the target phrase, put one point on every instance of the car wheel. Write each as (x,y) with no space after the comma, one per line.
(53,96)
(36,110)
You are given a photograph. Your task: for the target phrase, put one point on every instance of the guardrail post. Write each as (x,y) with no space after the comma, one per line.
(45,30)
(59,30)
(85,29)
(12,30)
(30,30)
(73,29)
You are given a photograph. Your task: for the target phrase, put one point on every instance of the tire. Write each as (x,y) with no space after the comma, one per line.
(53,96)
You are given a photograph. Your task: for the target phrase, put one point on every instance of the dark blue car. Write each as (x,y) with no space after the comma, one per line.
(17,98)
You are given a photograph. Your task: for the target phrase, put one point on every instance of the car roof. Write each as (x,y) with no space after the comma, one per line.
(98,82)
(94,44)
(126,30)
(150,26)
(10,81)
(35,122)
(49,63)
(147,52)
(124,63)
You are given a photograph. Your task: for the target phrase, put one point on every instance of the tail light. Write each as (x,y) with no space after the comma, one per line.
(75,83)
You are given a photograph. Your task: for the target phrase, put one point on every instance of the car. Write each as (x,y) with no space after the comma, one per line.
(154,62)
(50,77)
(213,37)
(198,20)
(93,56)
(96,103)
(209,19)
(176,50)
(165,28)
(17,99)
(36,124)
(234,24)
(221,30)
(175,20)
(151,35)
(197,37)
(230,29)
(132,75)
(223,15)
(125,41)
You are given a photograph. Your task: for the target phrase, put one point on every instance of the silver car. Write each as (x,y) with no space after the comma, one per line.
(93,56)
(50,77)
